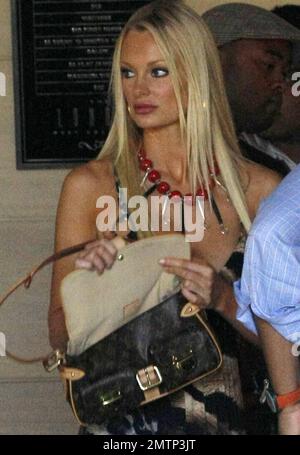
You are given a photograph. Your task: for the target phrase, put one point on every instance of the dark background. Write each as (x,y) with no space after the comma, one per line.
(62,61)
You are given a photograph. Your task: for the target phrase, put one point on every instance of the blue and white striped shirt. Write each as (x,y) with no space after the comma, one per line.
(270,282)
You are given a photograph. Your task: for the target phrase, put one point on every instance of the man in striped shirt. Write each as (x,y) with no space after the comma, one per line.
(268,294)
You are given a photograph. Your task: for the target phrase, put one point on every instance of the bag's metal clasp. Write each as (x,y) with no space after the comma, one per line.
(54,360)
(269,396)
(263,396)
(148,378)
(110,397)
(185,363)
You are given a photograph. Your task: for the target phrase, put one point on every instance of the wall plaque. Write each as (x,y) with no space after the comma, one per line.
(62,62)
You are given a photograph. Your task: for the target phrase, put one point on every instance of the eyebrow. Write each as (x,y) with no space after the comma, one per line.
(154,62)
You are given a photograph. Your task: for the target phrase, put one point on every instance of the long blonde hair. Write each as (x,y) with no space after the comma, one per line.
(207,127)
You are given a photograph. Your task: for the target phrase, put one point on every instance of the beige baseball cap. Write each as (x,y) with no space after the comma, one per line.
(234,21)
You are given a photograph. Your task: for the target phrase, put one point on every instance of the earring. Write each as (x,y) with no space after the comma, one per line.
(129,109)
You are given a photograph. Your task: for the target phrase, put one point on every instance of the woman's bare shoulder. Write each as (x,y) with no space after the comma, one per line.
(262,181)
(263,178)
(96,175)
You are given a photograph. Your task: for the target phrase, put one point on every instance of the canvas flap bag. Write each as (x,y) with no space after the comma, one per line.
(96,305)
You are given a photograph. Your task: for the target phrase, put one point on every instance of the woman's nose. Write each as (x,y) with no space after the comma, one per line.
(141,86)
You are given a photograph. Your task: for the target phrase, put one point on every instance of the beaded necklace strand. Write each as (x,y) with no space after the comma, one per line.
(163,188)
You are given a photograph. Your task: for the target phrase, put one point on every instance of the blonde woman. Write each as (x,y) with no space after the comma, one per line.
(172,121)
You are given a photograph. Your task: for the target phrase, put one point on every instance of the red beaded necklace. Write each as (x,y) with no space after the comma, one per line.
(163,187)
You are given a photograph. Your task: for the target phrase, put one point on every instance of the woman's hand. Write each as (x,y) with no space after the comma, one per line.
(98,255)
(201,284)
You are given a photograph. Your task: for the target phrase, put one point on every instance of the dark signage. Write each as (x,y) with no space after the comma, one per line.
(62,61)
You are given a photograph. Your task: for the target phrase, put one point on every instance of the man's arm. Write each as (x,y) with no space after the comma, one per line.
(284,372)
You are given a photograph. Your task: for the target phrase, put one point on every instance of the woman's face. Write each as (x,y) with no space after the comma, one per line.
(147,85)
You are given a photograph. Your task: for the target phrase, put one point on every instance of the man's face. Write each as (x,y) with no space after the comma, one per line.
(254,72)
(286,126)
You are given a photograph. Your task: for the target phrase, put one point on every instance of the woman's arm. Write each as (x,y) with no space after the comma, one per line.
(75,223)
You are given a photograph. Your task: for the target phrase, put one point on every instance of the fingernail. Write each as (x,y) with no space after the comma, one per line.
(162,261)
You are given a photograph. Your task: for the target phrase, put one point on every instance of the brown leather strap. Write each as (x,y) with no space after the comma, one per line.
(27,282)
(149,380)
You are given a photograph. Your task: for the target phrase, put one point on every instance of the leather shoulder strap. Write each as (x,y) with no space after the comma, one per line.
(26,281)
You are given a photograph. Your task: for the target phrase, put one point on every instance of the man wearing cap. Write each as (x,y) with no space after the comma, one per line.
(255,48)
(282,140)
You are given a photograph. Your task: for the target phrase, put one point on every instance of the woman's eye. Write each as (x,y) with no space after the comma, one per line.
(159,72)
(126,73)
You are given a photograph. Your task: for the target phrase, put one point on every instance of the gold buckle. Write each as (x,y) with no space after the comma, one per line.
(149,384)
(54,360)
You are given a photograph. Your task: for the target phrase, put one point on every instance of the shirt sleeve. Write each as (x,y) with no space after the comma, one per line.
(270,285)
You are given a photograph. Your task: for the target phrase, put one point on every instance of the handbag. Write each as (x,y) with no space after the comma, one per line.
(128,359)
(154,355)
